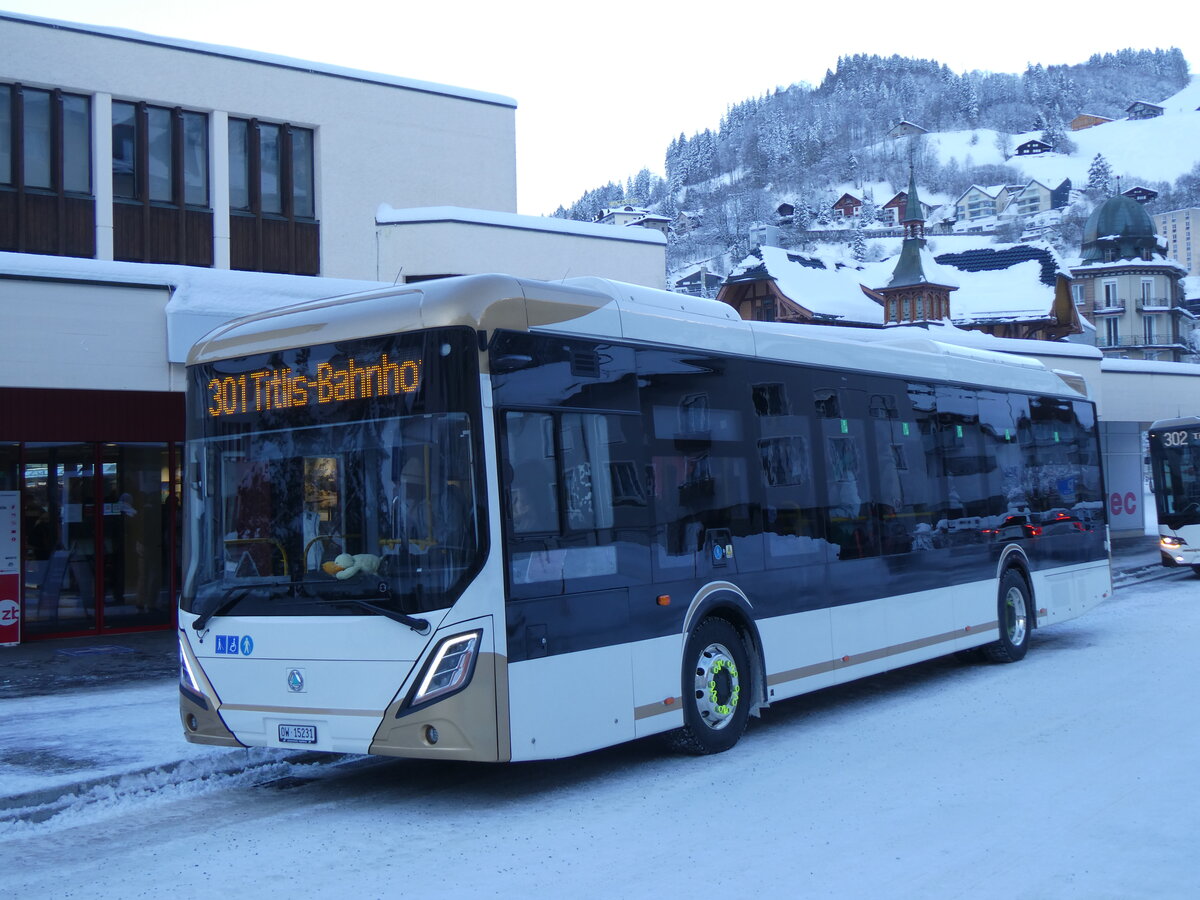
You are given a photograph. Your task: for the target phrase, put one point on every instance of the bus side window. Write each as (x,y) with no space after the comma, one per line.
(532,484)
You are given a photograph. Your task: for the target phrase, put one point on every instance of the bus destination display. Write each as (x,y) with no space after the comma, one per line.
(263,390)
(1179,438)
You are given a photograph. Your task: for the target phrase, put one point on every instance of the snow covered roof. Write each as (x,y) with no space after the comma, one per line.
(201,299)
(269,59)
(997,283)
(1006,282)
(820,283)
(388,215)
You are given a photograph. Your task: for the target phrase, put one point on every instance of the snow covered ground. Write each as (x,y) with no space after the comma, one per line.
(1070,774)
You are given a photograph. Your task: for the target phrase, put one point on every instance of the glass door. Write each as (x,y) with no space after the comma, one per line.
(137,528)
(60,526)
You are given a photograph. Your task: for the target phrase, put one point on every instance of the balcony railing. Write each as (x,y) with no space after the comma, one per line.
(1113,307)
(1155,303)
(1156,342)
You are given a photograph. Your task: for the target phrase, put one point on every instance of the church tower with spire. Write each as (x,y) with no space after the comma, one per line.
(912,297)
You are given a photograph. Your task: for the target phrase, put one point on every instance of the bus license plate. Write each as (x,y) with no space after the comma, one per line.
(297,734)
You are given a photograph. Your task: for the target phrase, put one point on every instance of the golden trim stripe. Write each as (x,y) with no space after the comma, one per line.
(657,709)
(871,655)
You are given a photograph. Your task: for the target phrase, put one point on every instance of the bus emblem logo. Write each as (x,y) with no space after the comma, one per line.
(295,680)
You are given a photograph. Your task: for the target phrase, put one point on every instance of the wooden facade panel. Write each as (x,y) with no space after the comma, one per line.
(243,243)
(9,230)
(198,238)
(128,243)
(308,248)
(162,235)
(41,224)
(274,245)
(78,227)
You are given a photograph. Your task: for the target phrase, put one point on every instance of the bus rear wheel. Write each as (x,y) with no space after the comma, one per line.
(717,688)
(1013,616)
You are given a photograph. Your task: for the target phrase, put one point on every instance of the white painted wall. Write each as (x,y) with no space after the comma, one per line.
(469,248)
(376,142)
(58,334)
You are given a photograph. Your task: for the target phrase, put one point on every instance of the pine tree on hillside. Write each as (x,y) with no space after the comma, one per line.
(858,247)
(1100,176)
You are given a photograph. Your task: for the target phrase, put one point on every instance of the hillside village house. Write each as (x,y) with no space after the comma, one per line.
(1141,194)
(905,129)
(1140,109)
(1033,148)
(1086,120)
(847,206)
(152,188)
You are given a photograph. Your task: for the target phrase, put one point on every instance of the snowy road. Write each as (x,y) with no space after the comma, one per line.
(1070,774)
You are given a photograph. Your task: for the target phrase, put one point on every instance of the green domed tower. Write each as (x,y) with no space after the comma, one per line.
(1119,228)
(1128,289)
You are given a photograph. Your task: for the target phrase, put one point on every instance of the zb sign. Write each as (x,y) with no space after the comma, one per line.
(10,567)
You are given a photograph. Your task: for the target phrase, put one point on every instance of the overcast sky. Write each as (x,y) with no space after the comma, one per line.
(603,87)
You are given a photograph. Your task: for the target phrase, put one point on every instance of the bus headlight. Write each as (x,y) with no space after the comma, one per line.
(449,669)
(1172,543)
(187,678)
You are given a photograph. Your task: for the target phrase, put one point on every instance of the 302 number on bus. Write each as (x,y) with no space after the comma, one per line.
(1180,438)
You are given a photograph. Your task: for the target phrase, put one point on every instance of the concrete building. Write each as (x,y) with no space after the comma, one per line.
(1179,230)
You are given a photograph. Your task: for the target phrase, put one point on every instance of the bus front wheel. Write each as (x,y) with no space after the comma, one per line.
(1013,617)
(717,688)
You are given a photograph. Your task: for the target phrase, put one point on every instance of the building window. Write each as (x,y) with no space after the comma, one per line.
(272,198)
(1150,329)
(1110,294)
(1112,332)
(160,182)
(46,203)
(1077,294)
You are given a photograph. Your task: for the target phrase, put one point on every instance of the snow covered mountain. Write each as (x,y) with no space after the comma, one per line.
(806,147)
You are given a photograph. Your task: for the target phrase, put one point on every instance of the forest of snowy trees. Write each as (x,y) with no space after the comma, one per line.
(800,141)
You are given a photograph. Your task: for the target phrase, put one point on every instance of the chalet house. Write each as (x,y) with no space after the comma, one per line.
(1140,194)
(978,202)
(905,129)
(785,213)
(1033,198)
(1086,120)
(686,222)
(621,215)
(1018,291)
(895,207)
(1140,109)
(773,285)
(1013,291)
(699,283)
(1033,148)
(633,215)
(847,206)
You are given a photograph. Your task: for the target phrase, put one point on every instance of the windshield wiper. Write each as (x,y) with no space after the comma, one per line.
(229,600)
(420,626)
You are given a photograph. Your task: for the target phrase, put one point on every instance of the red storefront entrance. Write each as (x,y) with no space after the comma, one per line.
(98,474)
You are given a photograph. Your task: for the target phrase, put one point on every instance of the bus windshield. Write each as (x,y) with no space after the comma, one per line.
(373,495)
(1175,457)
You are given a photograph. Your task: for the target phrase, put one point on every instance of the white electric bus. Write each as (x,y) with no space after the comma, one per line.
(1175,468)
(487,518)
